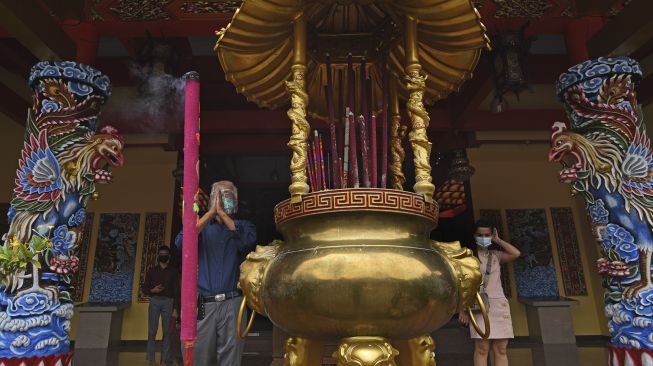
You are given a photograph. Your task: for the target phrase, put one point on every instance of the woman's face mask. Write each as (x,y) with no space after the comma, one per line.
(483,241)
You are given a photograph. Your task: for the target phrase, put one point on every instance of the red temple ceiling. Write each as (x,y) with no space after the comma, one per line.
(38,29)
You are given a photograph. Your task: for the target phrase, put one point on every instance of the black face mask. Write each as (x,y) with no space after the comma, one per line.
(164,258)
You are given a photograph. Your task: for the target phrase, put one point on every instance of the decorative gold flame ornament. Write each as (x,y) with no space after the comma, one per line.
(356,264)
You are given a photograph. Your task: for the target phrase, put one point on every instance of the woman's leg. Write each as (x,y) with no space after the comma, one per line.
(481,350)
(500,350)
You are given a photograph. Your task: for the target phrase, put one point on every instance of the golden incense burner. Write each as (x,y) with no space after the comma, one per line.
(357,264)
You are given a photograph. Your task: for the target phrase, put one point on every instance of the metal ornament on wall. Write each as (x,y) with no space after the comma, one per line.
(461,169)
(510,69)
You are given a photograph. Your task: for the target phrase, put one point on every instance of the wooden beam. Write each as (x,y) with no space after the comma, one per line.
(27,21)
(16,83)
(626,32)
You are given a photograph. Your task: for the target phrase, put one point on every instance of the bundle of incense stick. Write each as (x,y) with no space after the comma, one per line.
(319,177)
(344,148)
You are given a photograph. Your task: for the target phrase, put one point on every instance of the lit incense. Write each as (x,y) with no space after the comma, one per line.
(345,163)
(374,152)
(365,151)
(353,152)
(351,84)
(384,131)
(324,181)
(332,122)
(190,218)
(316,161)
(309,168)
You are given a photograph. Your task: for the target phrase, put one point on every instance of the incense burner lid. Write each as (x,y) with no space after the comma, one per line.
(256,48)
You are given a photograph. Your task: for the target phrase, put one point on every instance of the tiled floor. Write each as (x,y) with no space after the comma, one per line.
(519,356)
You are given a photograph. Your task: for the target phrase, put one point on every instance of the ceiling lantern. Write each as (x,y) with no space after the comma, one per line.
(509,51)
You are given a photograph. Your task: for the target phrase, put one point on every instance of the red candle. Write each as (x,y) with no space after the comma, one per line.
(384,131)
(316,162)
(191,186)
(353,153)
(345,164)
(362,85)
(322,171)
(365,151)
(309,168)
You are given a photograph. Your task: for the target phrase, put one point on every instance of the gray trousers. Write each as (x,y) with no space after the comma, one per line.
(216,334)
(159,306)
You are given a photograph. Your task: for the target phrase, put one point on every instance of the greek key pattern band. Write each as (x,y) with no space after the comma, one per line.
(387,200)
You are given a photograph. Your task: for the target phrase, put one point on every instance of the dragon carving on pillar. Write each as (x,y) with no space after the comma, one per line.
(62,161)
(607,158)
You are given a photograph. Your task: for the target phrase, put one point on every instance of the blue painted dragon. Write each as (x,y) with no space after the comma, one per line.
(607,158)
(62,160)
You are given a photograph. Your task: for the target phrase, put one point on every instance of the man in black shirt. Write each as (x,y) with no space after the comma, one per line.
(162,284)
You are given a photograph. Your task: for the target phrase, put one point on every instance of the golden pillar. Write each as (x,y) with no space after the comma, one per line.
(416,84)
(397,135)
(297,113)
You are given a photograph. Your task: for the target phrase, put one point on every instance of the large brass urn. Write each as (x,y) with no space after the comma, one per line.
(356,264)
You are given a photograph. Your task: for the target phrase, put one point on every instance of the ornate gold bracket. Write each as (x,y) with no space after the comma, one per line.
(397,135)
(365,351)
(297,113)
(416,84)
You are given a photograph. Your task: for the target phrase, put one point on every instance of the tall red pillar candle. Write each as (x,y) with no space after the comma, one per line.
(191,187)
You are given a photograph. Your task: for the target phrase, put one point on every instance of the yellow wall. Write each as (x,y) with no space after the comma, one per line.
(144,184)
(512,176)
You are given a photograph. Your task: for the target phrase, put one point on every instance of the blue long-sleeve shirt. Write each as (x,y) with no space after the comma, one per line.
(219,254)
